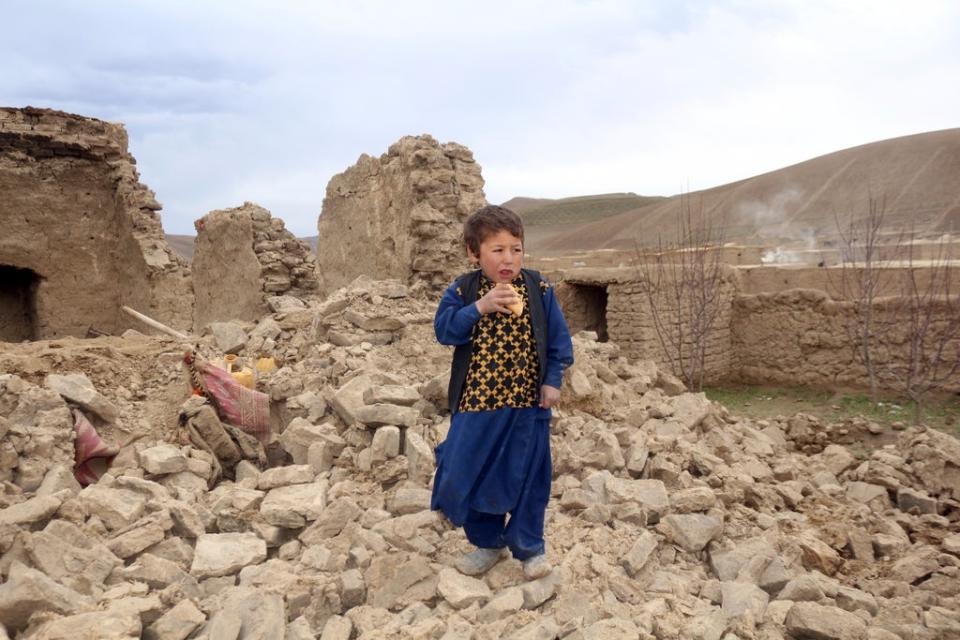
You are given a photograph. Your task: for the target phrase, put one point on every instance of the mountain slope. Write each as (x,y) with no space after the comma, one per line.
(917,176)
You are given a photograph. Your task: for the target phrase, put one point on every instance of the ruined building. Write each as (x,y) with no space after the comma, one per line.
(80,234)
(241,257)
(400,215)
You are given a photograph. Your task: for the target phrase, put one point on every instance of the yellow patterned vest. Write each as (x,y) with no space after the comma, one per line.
(504,367)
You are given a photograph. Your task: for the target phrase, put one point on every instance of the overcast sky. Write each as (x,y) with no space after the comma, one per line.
(265,101)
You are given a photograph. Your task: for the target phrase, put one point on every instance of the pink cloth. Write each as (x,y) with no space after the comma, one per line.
(242,407)
(91,455)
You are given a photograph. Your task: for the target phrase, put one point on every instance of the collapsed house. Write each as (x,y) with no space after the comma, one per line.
(242,256)
(81,235)
(399,215)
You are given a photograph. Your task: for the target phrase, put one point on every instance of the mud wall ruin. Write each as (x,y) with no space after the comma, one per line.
(241,257)
(789,337)
(629,318)
(801,337)
(81,235)
(399,215)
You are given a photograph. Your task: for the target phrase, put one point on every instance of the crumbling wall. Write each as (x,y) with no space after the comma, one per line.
(629,319)
(400,215)
(630,323)
(243,256)
(799,337)
(75,216)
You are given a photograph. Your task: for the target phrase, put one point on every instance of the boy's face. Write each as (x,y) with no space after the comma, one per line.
(501,256)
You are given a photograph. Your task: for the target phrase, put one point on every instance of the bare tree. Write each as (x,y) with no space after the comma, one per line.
(682,281)
(926,324)
(862,279)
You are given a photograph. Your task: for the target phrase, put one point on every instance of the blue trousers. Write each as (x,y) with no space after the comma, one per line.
(494,464)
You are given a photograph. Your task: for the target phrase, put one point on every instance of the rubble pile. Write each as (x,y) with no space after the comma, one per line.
(669,518)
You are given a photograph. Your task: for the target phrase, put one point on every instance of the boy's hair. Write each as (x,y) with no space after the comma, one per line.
(488,220)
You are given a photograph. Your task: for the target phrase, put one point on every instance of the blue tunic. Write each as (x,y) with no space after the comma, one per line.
(496,462)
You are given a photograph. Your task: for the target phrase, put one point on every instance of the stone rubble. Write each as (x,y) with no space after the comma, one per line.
(669,517)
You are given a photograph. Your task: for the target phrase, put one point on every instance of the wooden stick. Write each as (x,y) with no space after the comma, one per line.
(153,323)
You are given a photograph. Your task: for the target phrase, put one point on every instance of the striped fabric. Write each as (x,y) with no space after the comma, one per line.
(242,407)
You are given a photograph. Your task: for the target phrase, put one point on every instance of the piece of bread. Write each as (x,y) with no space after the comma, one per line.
(517,307)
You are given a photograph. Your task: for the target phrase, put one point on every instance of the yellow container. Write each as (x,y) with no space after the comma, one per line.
(266,365)
(234,366)
(244,377)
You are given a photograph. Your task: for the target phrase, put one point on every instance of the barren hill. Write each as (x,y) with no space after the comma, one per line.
(917,176)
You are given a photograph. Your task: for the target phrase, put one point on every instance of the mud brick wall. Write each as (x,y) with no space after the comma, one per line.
(800,337)
(399,216)
(77,221)
(629,319)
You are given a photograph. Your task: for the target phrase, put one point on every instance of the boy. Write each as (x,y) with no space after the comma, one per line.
(507,370)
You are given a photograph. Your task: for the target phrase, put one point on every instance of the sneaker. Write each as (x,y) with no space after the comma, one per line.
(536,567)
(478,561)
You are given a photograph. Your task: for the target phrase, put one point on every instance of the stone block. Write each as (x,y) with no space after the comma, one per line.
(32,511)
(27,591)
(398,580)
(536,592)
(177,623)
(163,459)
(391,394)
(349,398)
(159,573)
(872,495)
(461,591)
(117,508)
(386,443)
(284,476)
(229,337)
(691,532)
(222,554)
(132,542)
(331,521)
(337,628)
(501,606)
(300,434)
(693,500)
(77,388)
(378,415)
(409,500)
(58,478)
(292,506)
(811,620)
(640,553)
(803,588)
(420,459)
(743,599)
(908,499)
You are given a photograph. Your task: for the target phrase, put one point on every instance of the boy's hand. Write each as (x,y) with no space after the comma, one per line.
(497,299)
(549,396)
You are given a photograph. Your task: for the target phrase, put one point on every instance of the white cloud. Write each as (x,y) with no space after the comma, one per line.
(260,101)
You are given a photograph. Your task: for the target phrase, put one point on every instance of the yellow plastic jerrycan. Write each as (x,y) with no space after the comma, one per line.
(243,375)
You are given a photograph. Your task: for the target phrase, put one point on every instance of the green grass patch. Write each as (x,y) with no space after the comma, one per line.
(942,412)
(585,208)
